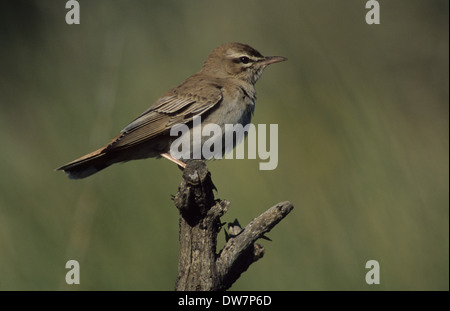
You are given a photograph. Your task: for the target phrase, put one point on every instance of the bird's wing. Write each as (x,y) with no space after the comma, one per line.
(176,108)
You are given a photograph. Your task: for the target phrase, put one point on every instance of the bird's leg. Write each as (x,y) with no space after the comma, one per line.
(170,158)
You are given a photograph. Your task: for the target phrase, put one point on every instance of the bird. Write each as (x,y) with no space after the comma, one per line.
(222,92)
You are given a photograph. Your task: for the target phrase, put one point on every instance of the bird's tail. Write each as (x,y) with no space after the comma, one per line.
(87,165)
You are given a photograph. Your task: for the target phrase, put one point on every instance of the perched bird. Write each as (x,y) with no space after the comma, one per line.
(222,92)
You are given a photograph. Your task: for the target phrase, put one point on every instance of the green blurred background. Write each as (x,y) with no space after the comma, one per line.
(363,141)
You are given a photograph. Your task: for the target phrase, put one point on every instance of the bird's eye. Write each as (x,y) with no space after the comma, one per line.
(244,60)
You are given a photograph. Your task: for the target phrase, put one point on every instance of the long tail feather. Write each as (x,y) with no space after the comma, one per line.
(86,165)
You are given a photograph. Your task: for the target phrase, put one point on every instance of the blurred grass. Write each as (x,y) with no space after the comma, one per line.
(363,141)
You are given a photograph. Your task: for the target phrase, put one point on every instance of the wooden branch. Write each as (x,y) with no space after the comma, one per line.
(199,265)
(240,251)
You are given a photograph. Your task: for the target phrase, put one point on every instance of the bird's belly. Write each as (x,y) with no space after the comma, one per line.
(223,129)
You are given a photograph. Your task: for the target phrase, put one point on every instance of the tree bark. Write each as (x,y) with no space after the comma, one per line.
(200,267)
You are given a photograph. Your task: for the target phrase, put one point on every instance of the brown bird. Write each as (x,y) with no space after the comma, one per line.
(222,92)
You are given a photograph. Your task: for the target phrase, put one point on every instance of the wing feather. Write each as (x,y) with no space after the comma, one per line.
(169,110)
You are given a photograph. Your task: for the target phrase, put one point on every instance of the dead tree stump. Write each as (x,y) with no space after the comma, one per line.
(200,267)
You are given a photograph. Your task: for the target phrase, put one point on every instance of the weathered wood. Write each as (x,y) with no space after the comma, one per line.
(200,268)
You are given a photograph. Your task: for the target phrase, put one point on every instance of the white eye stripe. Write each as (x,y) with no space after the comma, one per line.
(236,55)
(239,55)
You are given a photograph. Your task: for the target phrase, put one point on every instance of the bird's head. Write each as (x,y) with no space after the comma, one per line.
(237,60)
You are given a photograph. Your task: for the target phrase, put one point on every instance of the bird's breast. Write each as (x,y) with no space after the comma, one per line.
(237,107)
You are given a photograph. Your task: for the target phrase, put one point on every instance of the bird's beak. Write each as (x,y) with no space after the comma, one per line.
(272,60)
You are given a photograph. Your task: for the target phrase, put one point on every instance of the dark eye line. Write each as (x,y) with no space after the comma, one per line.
(243,60)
